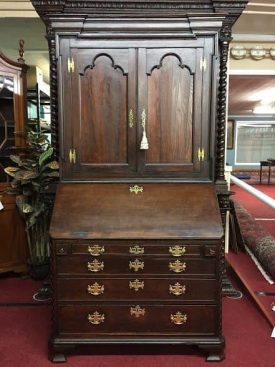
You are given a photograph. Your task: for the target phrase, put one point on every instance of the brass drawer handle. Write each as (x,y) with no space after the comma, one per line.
(95,266)
(136,189)
(136,250)
(136,285)
(178,318)
(177,250)
(177,289)
(177,266)
(96,250)
(96,318)
(95,289)
(136,265)
(137,311)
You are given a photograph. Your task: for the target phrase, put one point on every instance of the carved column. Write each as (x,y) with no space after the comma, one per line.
(54,94)
(225,38)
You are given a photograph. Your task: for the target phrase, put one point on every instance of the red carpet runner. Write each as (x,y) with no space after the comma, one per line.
(25,332)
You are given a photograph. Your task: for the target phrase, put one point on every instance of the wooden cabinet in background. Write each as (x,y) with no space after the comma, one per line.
(13,240)
(13,244)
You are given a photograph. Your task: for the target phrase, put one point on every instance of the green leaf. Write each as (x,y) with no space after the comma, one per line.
(27,208)
(28,175)
(11,171)
(53,165)
(16,159)
(51,174)
(45,155)
(20,201)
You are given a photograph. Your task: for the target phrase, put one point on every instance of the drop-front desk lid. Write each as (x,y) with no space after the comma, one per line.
(122,211)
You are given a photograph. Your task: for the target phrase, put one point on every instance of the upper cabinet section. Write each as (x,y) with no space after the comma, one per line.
(135,109)
(137,84)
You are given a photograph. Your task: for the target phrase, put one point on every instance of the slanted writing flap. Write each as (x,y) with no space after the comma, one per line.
(97,211)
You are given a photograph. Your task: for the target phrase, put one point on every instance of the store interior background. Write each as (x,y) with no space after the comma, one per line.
(251,107)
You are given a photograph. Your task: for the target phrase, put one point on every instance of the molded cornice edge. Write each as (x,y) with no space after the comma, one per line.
(138,8)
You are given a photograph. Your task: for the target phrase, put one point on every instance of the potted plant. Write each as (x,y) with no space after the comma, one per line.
(32,173)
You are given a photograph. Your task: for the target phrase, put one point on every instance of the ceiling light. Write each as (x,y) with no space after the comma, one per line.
(264,110)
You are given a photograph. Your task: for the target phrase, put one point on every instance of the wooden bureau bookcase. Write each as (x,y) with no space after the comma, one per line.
(138,92)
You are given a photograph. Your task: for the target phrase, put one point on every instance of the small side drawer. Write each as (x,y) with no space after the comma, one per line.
(137,248)
(138,319)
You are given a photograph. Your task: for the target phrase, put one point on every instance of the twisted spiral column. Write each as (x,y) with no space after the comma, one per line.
(54,91)
(224,40)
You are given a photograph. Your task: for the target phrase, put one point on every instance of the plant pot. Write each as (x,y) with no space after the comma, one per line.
(39,271)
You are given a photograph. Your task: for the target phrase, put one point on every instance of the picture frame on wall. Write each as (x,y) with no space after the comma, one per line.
(230,134)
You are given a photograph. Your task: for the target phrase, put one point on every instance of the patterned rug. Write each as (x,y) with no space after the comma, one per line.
(257,239)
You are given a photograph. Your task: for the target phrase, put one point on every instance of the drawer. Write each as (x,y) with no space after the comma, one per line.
(138,319)
(107,289)
(136,248)
(80,265)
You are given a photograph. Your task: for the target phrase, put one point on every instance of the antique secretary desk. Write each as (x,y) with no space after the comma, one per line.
(138,99)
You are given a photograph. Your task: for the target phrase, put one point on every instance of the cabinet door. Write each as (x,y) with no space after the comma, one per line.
(101,114)
(170,105)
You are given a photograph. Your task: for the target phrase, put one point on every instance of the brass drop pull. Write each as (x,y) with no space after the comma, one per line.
(177,289)
(96,318)
(95,289)
(131,118)
(178,318)
(177,266)
(144,141)
(136,285)
(136,265)
(72,156)
(136,250)
(137,311)
(177,250)
(95,266)
(96,250)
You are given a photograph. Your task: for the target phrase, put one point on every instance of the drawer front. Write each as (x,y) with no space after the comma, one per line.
(135,248)
(106,289)
(74,265)
(138,319)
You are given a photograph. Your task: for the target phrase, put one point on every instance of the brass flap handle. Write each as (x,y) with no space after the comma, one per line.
(136,265)
(96,318)
(137,311)
(177,266)
(178,318)
(177,289)
(95,289)
(136,285)
(96,250)
(177,250)
(95,266)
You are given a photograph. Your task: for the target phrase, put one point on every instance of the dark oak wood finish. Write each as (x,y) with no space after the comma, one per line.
(129,70)
(157,250)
